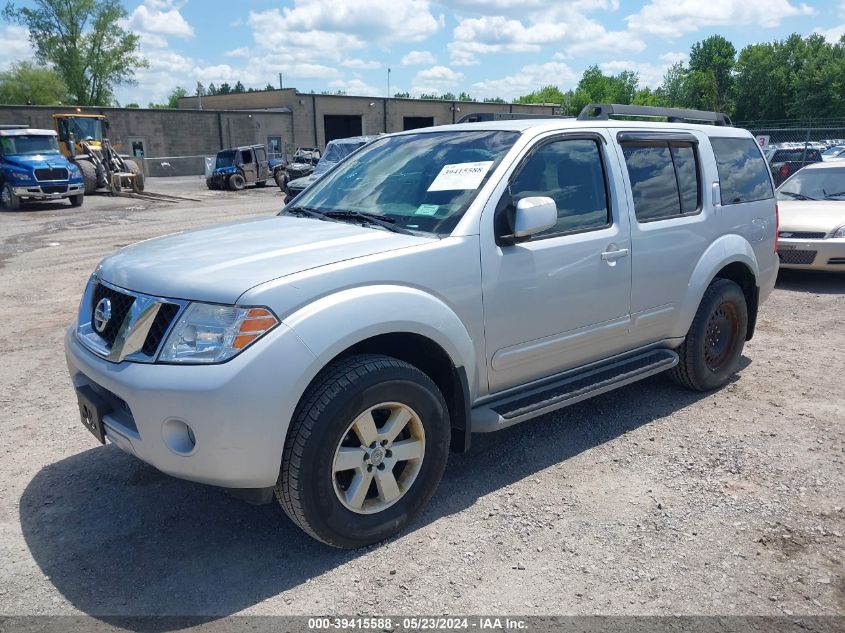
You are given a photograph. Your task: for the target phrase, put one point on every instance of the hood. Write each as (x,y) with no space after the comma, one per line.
(36,161)
(301,183)
(811,215)
(220,263)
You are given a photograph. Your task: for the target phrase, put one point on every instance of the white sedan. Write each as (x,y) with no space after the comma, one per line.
(812,218)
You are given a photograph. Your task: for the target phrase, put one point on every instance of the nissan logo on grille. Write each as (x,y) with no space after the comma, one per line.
(102,315)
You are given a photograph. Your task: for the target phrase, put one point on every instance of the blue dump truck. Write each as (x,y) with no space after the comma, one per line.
(33,168)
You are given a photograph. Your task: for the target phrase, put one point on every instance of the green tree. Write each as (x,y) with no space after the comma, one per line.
(672,90)
(270,87)
(402,95)
(84,42)
(26,83)
(714,58)
(494,100)
(239,88)
(465,96)
(224,89)
(172,99)
(212,89)
(546,94)
(132,105)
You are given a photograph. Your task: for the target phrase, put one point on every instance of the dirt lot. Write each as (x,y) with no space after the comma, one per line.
(651,500)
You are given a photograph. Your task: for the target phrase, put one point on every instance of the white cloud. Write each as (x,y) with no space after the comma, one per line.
(360,64)
(354,87)
(15,45)
(831,34)
(242,51)
(437,80)
(418,58)
(651,75)
(160,17)
(672,18)
(529,78)
(674,58)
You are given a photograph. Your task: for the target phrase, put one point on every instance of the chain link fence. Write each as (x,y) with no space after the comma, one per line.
(789,146)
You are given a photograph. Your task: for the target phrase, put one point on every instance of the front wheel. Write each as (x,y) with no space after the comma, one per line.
(77,200)
(236,182)
(366,449)
(8,199)
(710,352)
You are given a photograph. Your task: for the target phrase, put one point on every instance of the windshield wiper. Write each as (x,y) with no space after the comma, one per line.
(832,195)
(369,218)
(307,212)
(797,196)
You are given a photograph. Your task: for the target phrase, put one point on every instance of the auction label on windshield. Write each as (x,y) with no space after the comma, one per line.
(460,176)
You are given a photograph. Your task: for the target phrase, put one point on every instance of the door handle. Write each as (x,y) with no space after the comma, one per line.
(612,256)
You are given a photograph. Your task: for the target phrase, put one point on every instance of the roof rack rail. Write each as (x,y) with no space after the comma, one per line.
(603,112)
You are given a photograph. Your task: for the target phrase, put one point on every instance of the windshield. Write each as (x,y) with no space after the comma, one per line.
(815,184)
(833,151)
(335,152)
(226,159)
(29,144)
(86,129)
(423,182)
(796,156)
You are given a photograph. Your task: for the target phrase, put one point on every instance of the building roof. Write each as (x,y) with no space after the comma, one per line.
(27,131)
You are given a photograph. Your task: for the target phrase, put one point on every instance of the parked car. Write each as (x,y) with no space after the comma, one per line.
(32,168)
(236,167)
(785,162)
(812,218)
(304,161)
(442,282)
(336,151)
(837,152)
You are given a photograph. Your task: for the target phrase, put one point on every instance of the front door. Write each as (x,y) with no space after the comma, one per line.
(561,299)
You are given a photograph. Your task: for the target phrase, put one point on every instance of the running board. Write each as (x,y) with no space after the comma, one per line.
(573,387)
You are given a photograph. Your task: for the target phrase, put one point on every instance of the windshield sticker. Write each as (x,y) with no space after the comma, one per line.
(427,209)
(460,176)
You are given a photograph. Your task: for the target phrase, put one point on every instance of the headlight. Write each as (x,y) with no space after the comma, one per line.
(21,176)
(840,232)
(207,333)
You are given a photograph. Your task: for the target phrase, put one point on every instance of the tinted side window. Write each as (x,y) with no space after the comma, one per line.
(743,174)
(687,171)
(246,156)
(653,181)
(571,173)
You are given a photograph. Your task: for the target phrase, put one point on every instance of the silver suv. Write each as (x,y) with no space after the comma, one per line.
(436,283)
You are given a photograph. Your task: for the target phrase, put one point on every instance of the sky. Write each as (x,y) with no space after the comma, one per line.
(488,48)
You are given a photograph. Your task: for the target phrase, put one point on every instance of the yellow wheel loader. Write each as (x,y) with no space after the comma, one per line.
(82,138)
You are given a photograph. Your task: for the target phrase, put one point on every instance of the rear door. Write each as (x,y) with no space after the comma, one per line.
(248,165)
(670,224)
(261,163)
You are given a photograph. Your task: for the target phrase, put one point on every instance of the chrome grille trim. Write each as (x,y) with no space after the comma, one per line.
(132,332)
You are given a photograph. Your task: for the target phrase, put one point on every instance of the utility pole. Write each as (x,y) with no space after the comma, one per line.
(388,82)
(280,82)
(199,93)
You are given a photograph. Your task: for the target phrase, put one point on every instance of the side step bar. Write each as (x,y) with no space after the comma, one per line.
(571,388)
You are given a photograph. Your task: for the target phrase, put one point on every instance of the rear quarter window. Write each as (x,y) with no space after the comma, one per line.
(743,174)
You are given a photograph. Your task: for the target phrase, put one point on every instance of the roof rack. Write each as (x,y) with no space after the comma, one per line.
(603,112)
(13,127)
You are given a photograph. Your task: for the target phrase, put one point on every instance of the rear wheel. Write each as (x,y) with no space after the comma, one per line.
(366,449)
(89,175)
(710,353)
(76,201)
(281,179)
(8,199)
(236,182)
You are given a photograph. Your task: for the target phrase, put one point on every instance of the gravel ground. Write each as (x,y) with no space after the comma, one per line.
(649,500)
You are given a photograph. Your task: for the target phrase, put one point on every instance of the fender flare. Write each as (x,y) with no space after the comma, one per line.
(728,249)
(325,327)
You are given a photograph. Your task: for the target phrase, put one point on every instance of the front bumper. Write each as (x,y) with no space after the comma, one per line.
(49,192)
(805,254)
(239,411)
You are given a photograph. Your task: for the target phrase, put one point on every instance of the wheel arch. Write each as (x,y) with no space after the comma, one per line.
(730,257)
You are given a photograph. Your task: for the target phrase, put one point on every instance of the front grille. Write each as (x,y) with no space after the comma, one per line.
(801,235)
(797,257)
(120,305)
(166,313)
(54,189)
(56,173)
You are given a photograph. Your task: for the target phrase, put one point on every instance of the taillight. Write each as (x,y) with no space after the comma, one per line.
(784,170)
(777,226)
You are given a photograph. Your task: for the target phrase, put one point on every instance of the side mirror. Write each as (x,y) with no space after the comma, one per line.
(533,215)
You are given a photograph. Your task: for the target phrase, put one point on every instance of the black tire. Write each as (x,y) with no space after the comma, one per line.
(710,353)
(281,179)
(237,182)
(8,199)
(132,166)
(89,175)
(77,200)
(260,183)
(306,487)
